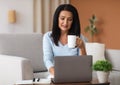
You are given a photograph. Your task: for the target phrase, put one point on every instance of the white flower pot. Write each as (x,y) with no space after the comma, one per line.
(102,76)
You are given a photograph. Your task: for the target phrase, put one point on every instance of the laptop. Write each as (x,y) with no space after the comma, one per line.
(73,69)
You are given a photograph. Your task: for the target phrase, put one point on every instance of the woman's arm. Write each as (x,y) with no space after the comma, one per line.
(48,52)
(83,50)
(81,45)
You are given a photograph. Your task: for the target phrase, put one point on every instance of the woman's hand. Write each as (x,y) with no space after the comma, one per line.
(51,70)
(80,44)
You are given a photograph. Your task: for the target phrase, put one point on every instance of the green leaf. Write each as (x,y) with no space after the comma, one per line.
(102,65)
(91,28)
(95,30)
(93,17)
(87,29)
(91,21)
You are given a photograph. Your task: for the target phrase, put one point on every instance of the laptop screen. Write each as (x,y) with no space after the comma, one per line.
(73,69)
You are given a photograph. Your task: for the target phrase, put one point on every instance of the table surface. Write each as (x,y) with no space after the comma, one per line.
(93,82)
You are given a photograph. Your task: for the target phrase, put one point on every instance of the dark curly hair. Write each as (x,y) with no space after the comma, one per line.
(75,27)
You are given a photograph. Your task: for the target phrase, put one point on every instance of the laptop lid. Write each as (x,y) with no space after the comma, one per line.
(73,69)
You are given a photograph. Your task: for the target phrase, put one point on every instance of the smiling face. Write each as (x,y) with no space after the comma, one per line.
(65,20)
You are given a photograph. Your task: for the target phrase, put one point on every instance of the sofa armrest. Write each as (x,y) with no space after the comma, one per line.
(13,69)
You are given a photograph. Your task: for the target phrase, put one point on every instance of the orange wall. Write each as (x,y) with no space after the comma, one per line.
(108,14)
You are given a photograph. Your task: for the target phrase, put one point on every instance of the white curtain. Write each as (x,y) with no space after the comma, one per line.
(43,14)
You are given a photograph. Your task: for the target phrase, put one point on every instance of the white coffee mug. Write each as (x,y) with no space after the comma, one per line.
(71,41)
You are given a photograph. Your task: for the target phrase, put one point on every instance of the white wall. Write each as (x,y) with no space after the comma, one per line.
(24,13)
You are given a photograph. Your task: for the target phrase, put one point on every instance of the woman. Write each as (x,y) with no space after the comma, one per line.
(65,22)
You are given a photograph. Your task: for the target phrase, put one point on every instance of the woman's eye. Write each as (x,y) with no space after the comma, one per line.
(62,18)
(70,19)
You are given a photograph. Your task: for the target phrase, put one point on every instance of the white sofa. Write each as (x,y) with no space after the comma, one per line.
(21,58)
(13,69)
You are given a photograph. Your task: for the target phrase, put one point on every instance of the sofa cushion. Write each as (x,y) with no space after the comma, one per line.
(26,45)
(97,50)
(113,55)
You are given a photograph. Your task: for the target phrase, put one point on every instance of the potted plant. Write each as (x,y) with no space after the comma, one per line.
(103,68)
(91,28)
(95,49)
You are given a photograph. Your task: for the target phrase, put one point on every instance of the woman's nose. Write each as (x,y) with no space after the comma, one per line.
(65,22)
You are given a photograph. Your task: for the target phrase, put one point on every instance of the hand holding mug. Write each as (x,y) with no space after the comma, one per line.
(74,41)
(79,42)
